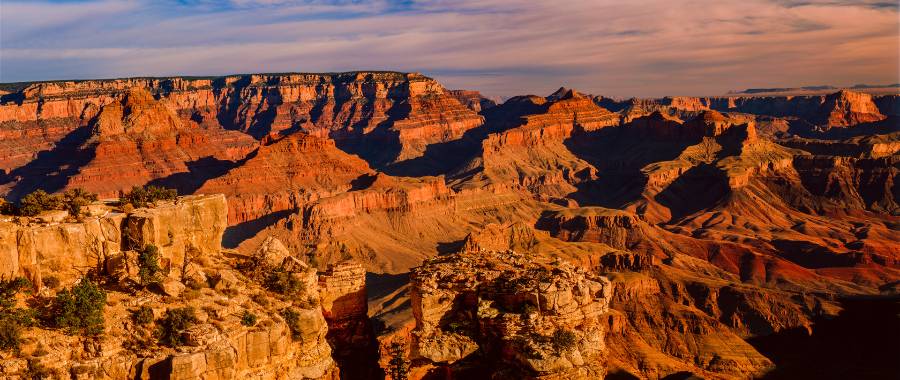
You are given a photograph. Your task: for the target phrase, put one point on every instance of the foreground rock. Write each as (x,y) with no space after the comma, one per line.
(504,313)
(188,226)
(239,328)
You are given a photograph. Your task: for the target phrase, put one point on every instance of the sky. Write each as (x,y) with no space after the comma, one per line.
(500,47)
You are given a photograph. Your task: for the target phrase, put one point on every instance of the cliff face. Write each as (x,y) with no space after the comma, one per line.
(181,229)
(696,340)
(618,229)
(524,319)
(348,106)
(36,250)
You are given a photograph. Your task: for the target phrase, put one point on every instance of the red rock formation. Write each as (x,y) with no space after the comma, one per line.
(841,109)
(285,173)
(404,112)
(473,99)
(847,108)
(714,220)
(530,154)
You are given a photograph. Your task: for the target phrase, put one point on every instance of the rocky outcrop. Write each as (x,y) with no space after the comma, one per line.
(342,289)
(694,342)
(238,329)
(876,146)
(406,110)
(431,119)
(385,193)
(851,183)
(190,226)
(182,230)
(847,108)
(473,99)
(517,317)
(616,228)
(494,237)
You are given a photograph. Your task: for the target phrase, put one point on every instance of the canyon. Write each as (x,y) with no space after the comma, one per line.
(562,236)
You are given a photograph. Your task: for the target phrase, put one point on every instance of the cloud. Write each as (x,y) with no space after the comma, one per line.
(502,47)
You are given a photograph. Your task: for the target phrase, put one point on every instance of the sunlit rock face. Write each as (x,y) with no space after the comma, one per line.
(525,319)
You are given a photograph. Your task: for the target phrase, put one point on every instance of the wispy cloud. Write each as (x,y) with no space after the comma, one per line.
(502,47)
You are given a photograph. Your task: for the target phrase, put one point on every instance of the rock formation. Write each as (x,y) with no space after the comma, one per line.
(189,226)
(219,344)
(473,99)
(510,316)
(721,222)
(342,288)
(298,169)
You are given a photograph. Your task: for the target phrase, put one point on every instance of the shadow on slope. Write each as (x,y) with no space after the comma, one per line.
(618,154)
(378,147)
(199,171)
(699,188)
(236,234)
(51,169)
(442,158)
(861,342)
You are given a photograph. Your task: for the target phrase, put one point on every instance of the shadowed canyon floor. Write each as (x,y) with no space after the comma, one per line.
(547,237)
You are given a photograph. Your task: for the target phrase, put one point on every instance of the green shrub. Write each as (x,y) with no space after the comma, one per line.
(173,325)
(528,308)
(143,315)
(74,199)
(80,310)
(148,265)
(25,317)
(260,299)
(37,371)
(8,290)
(10,334)
(308,302)
(8,208)
(38,202)
(564,340)
(292,319)
(398,366)
(248,319)
(142,197)
(284,282)
(51,282)
(12,319)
